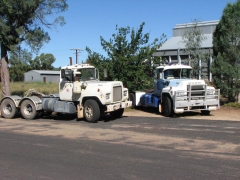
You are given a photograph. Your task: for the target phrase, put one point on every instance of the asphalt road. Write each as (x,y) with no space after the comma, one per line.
(125,148)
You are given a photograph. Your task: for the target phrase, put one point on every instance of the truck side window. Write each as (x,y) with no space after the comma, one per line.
(62,73)
(68,75)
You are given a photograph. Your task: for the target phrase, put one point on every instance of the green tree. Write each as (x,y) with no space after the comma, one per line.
(130,57)
(100,62)
(19,64)
(42,62)
(226,51)
(23,21)
(192,38)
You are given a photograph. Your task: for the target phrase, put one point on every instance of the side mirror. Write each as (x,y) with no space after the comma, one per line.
(62,73)
(166,83)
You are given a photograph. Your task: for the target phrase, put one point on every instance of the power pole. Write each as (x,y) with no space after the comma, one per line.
(77,51)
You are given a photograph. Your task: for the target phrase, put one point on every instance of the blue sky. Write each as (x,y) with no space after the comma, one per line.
(87,20)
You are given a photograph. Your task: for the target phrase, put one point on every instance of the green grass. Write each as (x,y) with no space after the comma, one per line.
(232,104)
(18,88)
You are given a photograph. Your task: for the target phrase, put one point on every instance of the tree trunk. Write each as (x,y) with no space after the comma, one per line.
(5,78)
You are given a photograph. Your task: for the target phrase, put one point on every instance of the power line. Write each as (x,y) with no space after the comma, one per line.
(77,51)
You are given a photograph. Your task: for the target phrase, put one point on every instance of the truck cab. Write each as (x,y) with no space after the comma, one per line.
(80,84)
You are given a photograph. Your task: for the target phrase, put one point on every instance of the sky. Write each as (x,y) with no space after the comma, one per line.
(87,20)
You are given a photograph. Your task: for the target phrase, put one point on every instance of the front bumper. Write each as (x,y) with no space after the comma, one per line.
(191,104)
(116,106)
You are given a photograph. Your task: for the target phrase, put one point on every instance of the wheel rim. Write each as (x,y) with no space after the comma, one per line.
(8,109)
(28,109)
(89,112)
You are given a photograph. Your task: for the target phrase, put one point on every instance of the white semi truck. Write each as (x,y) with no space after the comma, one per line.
(80,92)
(175,92)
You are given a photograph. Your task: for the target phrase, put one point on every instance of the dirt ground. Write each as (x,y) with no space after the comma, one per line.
(224,113)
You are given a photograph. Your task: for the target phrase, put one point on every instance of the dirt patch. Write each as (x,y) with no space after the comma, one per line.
(224,113)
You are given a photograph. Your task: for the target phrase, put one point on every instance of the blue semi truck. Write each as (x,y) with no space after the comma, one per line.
(175,92)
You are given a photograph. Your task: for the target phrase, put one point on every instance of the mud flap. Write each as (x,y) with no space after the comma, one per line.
(79,111)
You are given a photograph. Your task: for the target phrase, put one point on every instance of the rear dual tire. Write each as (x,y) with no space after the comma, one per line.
(28,110)
(9,109)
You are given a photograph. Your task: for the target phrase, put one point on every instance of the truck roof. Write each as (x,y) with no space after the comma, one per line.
(78,66)
(174,66)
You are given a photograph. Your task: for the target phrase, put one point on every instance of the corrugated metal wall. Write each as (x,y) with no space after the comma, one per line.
(32,76)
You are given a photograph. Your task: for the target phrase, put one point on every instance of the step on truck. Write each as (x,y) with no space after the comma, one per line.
(80,92)
(175,92)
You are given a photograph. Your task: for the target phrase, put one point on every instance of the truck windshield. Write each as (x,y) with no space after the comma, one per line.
(87,74)
(177,73)
(186,73)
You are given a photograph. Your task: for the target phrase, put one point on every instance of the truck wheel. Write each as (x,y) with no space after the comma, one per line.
(28,110)
(91,111)
(168,110)
(132,98)
(118,113)
(8,109)
(205,112)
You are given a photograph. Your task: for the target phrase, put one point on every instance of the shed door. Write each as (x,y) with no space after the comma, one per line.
(44,79)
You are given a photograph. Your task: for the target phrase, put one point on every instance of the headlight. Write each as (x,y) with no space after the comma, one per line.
(124,93)
(210,92)
(107,96)
(181,94)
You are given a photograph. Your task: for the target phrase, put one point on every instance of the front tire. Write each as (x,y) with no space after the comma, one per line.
(168,108)
(133,99)
(28,110)
(118,113)
(91,111)
(8,109)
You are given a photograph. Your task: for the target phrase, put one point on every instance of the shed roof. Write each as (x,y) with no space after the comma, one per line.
(45,72)
(175,43)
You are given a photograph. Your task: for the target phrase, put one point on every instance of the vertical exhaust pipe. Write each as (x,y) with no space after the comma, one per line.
(70,61)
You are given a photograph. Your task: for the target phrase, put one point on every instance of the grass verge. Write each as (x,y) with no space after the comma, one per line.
(18,88)
(232,104)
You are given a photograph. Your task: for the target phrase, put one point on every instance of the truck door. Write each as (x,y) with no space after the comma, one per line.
(158,82)
(66,85)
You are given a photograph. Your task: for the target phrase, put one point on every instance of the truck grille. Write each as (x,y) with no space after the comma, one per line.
(117,93)
(196,90)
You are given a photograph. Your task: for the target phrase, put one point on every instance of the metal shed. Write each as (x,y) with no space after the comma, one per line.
(173,49)
(41,76)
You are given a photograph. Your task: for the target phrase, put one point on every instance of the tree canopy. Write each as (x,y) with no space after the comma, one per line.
(23,20)
(19,64)
(22,62)
(43,62)
(226,49)
(129,58)
(192,38)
